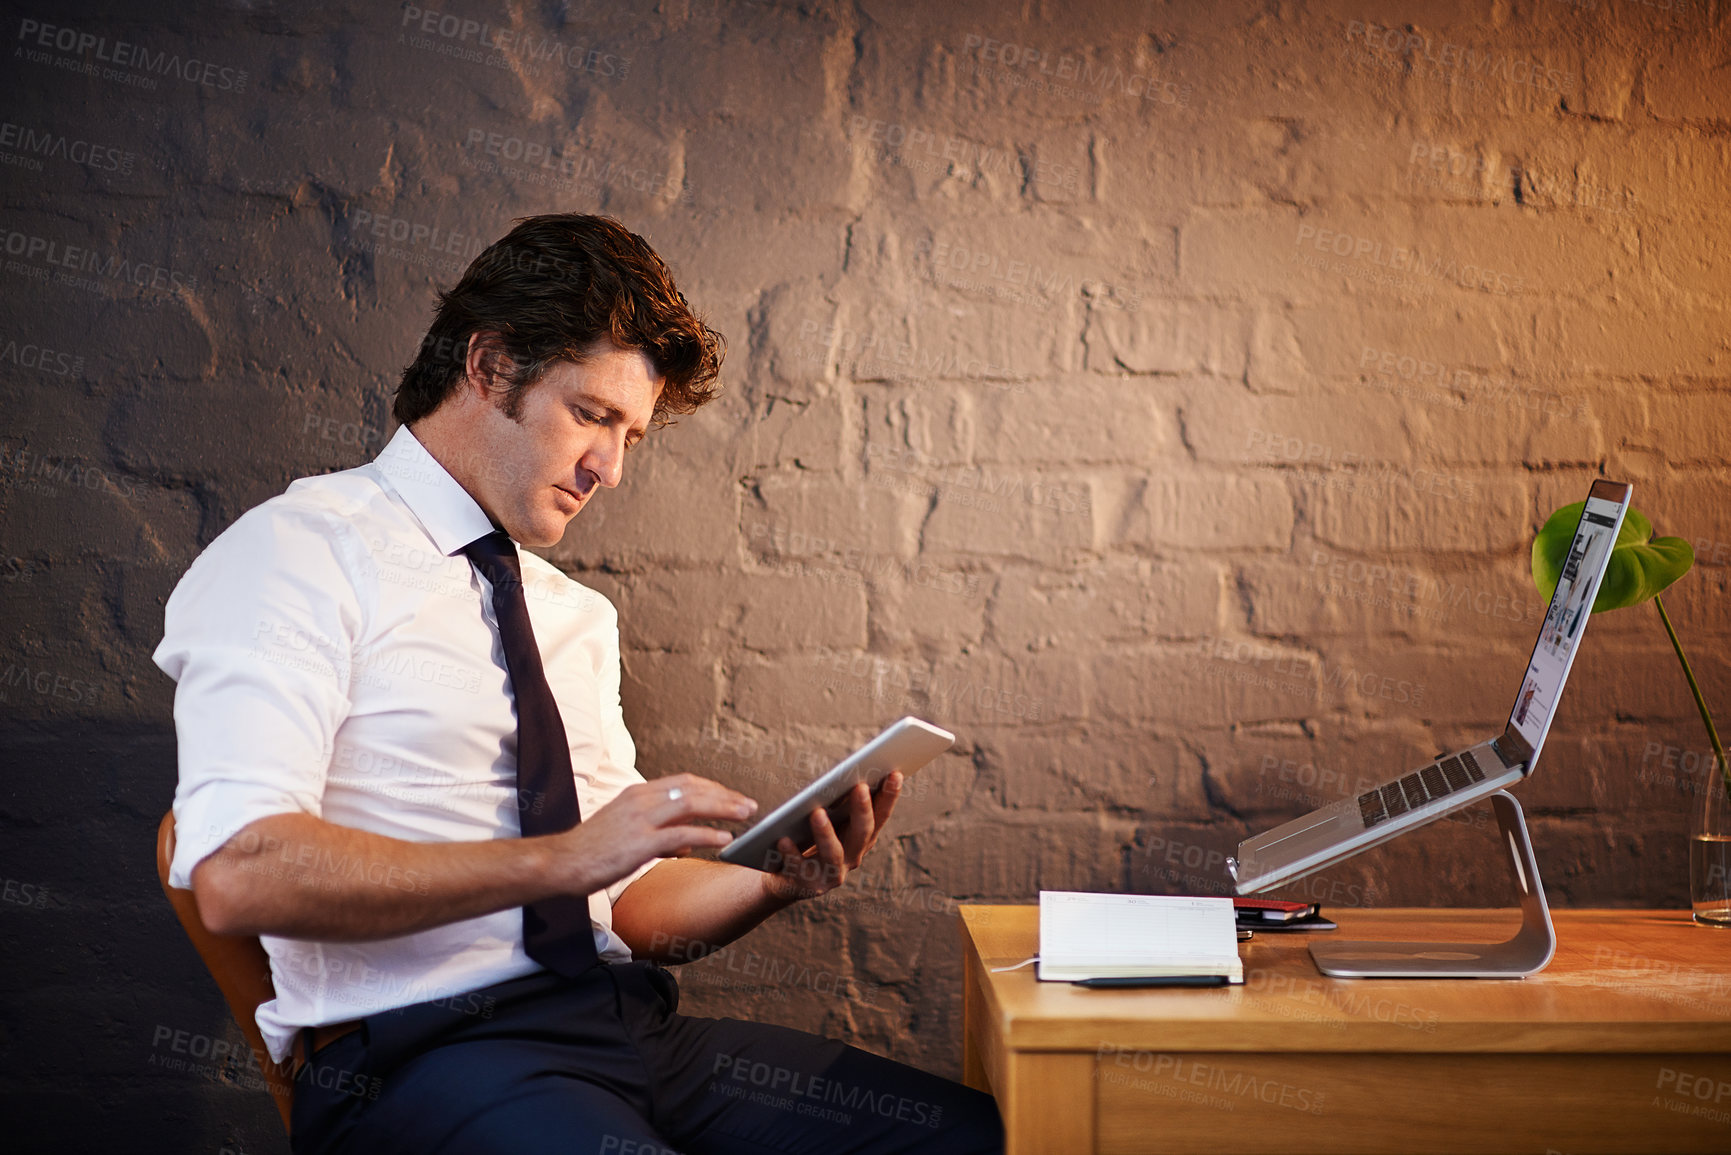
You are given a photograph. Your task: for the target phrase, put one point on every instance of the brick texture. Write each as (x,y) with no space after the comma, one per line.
(1161,397)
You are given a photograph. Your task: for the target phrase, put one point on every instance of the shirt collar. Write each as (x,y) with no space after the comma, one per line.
(444,508)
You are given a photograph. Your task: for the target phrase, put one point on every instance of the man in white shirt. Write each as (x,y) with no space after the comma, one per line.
(404,766)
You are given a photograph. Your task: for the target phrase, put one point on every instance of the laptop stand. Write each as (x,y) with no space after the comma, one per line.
(1529,952)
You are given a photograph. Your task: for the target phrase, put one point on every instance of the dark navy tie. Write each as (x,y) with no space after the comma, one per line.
(556,931)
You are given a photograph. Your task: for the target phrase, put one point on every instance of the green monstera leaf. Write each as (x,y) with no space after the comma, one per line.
(1642,566)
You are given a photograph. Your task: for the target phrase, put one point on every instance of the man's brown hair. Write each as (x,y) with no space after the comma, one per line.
(549,290)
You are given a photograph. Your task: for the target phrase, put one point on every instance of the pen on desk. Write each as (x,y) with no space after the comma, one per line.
(1156,981)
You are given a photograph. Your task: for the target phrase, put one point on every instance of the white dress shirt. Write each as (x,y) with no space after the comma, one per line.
(334,658)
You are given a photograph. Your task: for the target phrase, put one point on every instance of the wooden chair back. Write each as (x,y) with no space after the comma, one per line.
(239,965)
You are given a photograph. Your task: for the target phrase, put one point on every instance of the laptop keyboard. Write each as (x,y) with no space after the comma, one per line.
(1427,784)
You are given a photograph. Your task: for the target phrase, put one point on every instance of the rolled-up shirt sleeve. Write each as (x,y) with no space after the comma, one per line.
(258,637)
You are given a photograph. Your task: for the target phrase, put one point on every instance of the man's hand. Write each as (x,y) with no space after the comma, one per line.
(683,910)
(649,820)
(825,865)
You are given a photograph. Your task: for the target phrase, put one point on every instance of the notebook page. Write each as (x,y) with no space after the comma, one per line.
(1080,927)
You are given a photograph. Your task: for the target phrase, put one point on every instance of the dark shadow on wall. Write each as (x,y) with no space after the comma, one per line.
(108,1019)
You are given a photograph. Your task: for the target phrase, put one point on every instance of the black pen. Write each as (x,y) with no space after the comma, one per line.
(1155,981)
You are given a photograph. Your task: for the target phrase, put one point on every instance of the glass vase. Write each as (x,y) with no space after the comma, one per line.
(1710,853)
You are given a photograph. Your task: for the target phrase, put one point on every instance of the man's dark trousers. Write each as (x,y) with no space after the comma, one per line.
(604,1065)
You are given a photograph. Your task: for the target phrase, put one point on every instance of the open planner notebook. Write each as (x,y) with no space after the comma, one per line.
(1093,936)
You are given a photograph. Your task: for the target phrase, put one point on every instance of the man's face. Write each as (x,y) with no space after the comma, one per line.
(533,474)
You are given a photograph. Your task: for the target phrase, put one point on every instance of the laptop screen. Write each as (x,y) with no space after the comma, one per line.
(1566,619)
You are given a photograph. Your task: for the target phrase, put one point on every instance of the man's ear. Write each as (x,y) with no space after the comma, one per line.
(483,365)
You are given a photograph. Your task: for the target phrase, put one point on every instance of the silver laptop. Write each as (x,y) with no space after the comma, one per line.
(1341,829)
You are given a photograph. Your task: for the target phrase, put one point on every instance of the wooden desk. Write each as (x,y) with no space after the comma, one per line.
(1622,1044)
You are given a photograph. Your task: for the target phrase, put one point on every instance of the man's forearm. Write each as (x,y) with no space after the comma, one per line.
(685,908)
(296,876)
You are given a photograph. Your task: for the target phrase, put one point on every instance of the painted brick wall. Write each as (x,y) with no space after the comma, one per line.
(1163,397)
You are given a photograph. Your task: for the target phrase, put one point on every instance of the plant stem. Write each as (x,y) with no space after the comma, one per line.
(1700,702)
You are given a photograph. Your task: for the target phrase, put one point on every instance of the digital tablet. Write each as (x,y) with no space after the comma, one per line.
(905,746)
